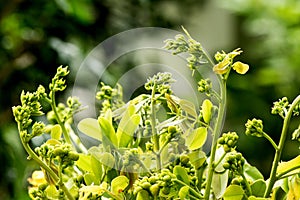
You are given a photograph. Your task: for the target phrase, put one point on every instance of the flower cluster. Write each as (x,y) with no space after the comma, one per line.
(235,162)
(228,141)
(225,63)
(254,127)
(280,107)
(161,82)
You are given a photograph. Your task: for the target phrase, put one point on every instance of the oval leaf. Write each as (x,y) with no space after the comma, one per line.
(90,127)
(56,132)
(258,188)
(109,136)
(188,107)
(183,192)
(207,110)
(119,184)
(289,165)
(181,174)
(197,138)
(234,192)
(126,129)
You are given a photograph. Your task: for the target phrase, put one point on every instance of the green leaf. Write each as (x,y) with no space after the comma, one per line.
(84,162)
(183,192)
(207,110)
(143,195)
(197,158)
(258,188)
(90,127)
(252,172)
(181,174)
(257,198)
(219,183)
(197,138)
(127,126)
(52,192)
(233,192)
(289,165)
(103,157)
(90,179)
(109,136)
(188,107)
(119,184)
(97,168)
(56,132)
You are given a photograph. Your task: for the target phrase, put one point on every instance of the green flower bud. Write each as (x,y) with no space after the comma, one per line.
(254,127)
(154,189)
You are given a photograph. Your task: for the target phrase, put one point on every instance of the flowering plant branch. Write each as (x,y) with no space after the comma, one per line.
(142,155)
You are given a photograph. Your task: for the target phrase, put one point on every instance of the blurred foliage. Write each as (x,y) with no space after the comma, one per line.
(269,33)
(38,36)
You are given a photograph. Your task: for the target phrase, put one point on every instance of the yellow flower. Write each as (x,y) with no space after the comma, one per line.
(222,67)
(37,178)
(240,67)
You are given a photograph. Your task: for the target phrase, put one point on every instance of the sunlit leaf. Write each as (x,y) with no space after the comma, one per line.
(257,198)
(90,179)
(233,192)
(289,165)
(97,167)
(119,184)
(294,188)
(258,188)
(181,174)
(84,162)
(109,136)
(183,192)
(143,195)
(127,126)
(197,138)
(207,110)
(90,127)
(52,192)
(56,132)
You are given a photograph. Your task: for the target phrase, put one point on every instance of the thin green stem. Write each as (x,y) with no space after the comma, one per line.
(155,137)
(273,178)
(216,133)
(270,140)
(43,165)
(194,192)
(59,121)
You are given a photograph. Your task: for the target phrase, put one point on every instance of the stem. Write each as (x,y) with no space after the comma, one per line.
(64,130)
(216,133)
(155,137)
(195,193)
(53,175)
(248,188)
(278,152)
(270,140)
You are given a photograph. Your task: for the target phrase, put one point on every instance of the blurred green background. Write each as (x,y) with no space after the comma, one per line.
(38,36)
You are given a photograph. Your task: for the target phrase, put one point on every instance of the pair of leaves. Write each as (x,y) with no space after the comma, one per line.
(103,130)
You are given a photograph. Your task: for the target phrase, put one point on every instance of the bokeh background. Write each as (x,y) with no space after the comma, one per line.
(38,36)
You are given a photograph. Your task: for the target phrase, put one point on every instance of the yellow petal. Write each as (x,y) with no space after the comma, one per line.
(222,67)
(240,67)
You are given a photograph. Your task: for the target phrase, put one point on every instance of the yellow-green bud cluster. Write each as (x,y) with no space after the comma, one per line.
(228,141)
(234,162)
(156,185)
(280,107)
(254,127)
